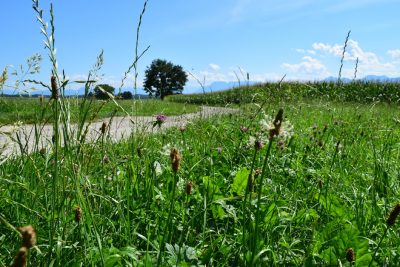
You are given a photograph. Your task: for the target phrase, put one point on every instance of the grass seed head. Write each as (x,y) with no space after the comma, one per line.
(275,131)
(78,214)
(189,187)
(20,258)
(258,145)
(42,151)
(257,172)
(244,129)
(281,144)
(103,127)
(106,159)
(175,159)
(28,236)
(350,255)
(391,220)
(54,90)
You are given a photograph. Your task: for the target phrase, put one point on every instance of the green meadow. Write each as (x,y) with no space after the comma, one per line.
(32,110)
(303,174)
(325,183)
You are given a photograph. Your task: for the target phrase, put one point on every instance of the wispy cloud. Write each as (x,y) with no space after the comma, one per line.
(244,9)
(214,67)
(344,5)
(303,51)
(239,9)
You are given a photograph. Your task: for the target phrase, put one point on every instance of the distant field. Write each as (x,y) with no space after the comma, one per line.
(357,92)
(29,110)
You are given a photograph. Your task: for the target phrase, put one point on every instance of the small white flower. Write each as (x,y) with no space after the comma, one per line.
(166,150)
(181,183)
(285,131)
(262,139)
(157,168)
(267,123)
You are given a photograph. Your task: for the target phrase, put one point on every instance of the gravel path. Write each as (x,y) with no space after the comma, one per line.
(119,128)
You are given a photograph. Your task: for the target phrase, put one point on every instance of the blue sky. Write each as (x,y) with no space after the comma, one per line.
(212,39)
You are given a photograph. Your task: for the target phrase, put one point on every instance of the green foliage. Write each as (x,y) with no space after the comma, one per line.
(103,91)
(360,92)
(240,182)
(317,198)
(126,95)
(164,78)
(35,109)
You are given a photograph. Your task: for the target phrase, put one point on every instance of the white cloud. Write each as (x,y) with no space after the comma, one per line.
(353,51)
(368,62)
(303,51)
(214,67)
(394,53)
(335,50)
(309,68)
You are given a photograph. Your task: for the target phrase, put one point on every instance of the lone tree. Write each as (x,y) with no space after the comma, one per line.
(126,95)
(99,94)
(164,78)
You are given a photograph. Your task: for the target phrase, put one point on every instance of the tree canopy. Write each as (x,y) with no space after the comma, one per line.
(162,78)
(126,95)
(99,94)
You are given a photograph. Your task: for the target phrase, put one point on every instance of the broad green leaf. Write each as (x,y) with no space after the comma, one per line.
(240,182)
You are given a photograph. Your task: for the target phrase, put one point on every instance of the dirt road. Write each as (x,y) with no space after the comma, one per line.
(17,138)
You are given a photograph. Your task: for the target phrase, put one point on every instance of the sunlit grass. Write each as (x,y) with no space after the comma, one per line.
(328,188)
(358,92)
(30,110)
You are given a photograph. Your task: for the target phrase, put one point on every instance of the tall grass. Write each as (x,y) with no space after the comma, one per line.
(328,188)
(67,142)
(357,92)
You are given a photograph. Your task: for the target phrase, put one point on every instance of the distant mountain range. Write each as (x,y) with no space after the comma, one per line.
(368,78)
